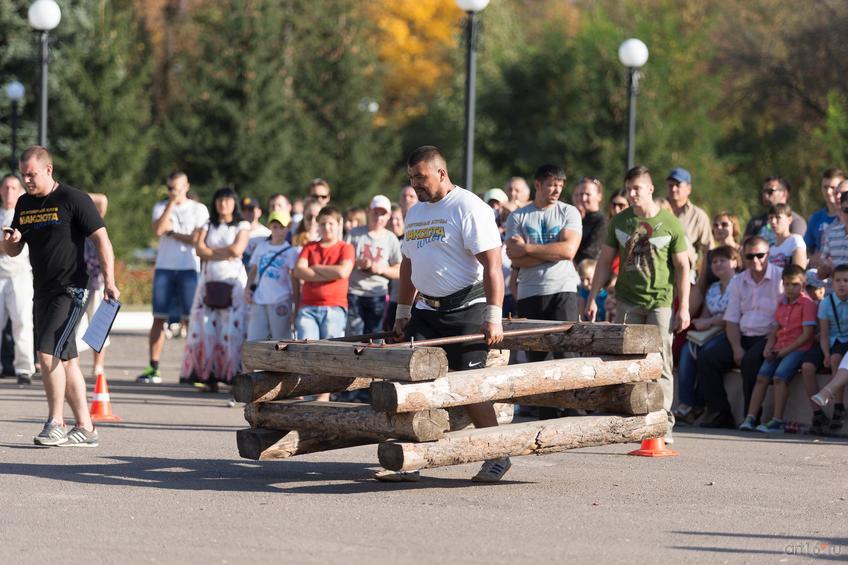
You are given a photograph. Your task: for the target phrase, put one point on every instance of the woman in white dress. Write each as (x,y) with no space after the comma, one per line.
(218,320)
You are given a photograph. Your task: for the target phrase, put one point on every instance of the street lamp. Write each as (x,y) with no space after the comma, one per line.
(15,92)
(632,54)
(471,7)
(43,15)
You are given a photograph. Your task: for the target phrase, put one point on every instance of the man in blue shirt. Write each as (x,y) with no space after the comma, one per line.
(820,219)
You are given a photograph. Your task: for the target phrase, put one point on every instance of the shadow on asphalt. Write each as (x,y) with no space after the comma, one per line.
(809,547)
(228,475)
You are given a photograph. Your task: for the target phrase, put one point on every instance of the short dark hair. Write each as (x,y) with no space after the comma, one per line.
(10,176)
(330,211)
(793,270)
(636,172)
(36,152)
(547,170)
(841,268)
(726,252)
(843,198)
(784,184)
(780,210)
(833,173)
(175,175)
(425,154)
(752,240)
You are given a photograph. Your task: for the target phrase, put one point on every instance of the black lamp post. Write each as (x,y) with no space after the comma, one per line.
(632,54)
(44,16)
(471,7)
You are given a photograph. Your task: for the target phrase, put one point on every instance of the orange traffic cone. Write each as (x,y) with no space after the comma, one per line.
(654,447)
(101,407)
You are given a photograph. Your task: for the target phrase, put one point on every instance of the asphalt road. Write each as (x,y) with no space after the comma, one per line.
(167,486)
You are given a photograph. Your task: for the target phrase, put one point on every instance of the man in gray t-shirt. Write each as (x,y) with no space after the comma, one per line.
(378,259)
(541,240)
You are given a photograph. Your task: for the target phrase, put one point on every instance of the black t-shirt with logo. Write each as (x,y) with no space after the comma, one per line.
(55,228)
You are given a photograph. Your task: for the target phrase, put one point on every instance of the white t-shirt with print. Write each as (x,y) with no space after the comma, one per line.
(442,238)
(781,255)
(274,286)
(185,218)
(223,235)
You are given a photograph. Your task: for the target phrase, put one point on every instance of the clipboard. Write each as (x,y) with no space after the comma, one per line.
(101,324)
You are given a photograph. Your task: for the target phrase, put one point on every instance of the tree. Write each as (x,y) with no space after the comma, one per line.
(100,114)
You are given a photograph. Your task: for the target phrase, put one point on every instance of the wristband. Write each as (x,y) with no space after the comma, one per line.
(404,312)
(494,314)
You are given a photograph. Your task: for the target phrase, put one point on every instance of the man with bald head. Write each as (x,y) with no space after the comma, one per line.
(54,219)
(16,286)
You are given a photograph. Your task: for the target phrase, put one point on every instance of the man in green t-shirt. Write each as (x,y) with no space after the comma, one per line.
(654,264)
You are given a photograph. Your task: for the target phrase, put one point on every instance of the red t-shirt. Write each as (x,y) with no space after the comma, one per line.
(331,293)
(791,318)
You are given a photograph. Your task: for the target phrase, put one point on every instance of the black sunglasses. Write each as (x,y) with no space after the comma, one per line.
(770,191)
(752,256)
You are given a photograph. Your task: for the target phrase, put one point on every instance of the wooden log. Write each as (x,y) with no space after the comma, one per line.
(339,359)
(458,418)
(586,338)
(499,383)
(346,418)
(545,436)
(264,386)
(261,444)
(631,398)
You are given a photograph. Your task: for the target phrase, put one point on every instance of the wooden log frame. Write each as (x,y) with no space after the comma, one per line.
(265,386)
(347,419)
(586,338)
(631,398)
(261,444)
(499,383)
(545,436)
(345,360)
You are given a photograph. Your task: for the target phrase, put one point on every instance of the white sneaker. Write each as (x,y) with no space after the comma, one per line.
(492,470)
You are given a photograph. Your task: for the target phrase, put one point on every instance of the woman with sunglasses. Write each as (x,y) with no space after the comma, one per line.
(726,232)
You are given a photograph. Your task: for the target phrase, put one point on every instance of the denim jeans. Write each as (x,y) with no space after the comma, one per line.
(365,314)
(173,293)
(320,322)
(688,391)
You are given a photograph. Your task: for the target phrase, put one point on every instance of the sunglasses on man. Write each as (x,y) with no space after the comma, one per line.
(752,256)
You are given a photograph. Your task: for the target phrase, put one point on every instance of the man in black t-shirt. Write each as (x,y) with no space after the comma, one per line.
(54,220)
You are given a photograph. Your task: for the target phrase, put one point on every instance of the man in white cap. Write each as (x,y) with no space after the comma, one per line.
(377,260)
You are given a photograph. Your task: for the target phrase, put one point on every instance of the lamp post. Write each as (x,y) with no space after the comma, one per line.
(15,92)
(632,54)
(43,15)
(471,7)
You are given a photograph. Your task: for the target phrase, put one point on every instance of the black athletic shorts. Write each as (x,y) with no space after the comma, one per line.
(56,316)
(560,307)
(430,324)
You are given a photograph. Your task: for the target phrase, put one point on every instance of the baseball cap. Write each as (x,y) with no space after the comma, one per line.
(680,175)
(813,279)
(249,202)
(278,216)
(382,202)
(495,194)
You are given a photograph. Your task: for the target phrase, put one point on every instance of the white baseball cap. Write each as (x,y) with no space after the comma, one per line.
(382,202)
(495,194)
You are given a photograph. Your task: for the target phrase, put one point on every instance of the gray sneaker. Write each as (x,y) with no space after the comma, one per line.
(80,437)
(52,434)
(24,379)
(492,470)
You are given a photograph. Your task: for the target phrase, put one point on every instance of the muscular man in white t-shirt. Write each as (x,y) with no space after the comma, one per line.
(175,222)
(452,261)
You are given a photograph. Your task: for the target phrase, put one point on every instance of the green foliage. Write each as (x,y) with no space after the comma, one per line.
(99,129)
